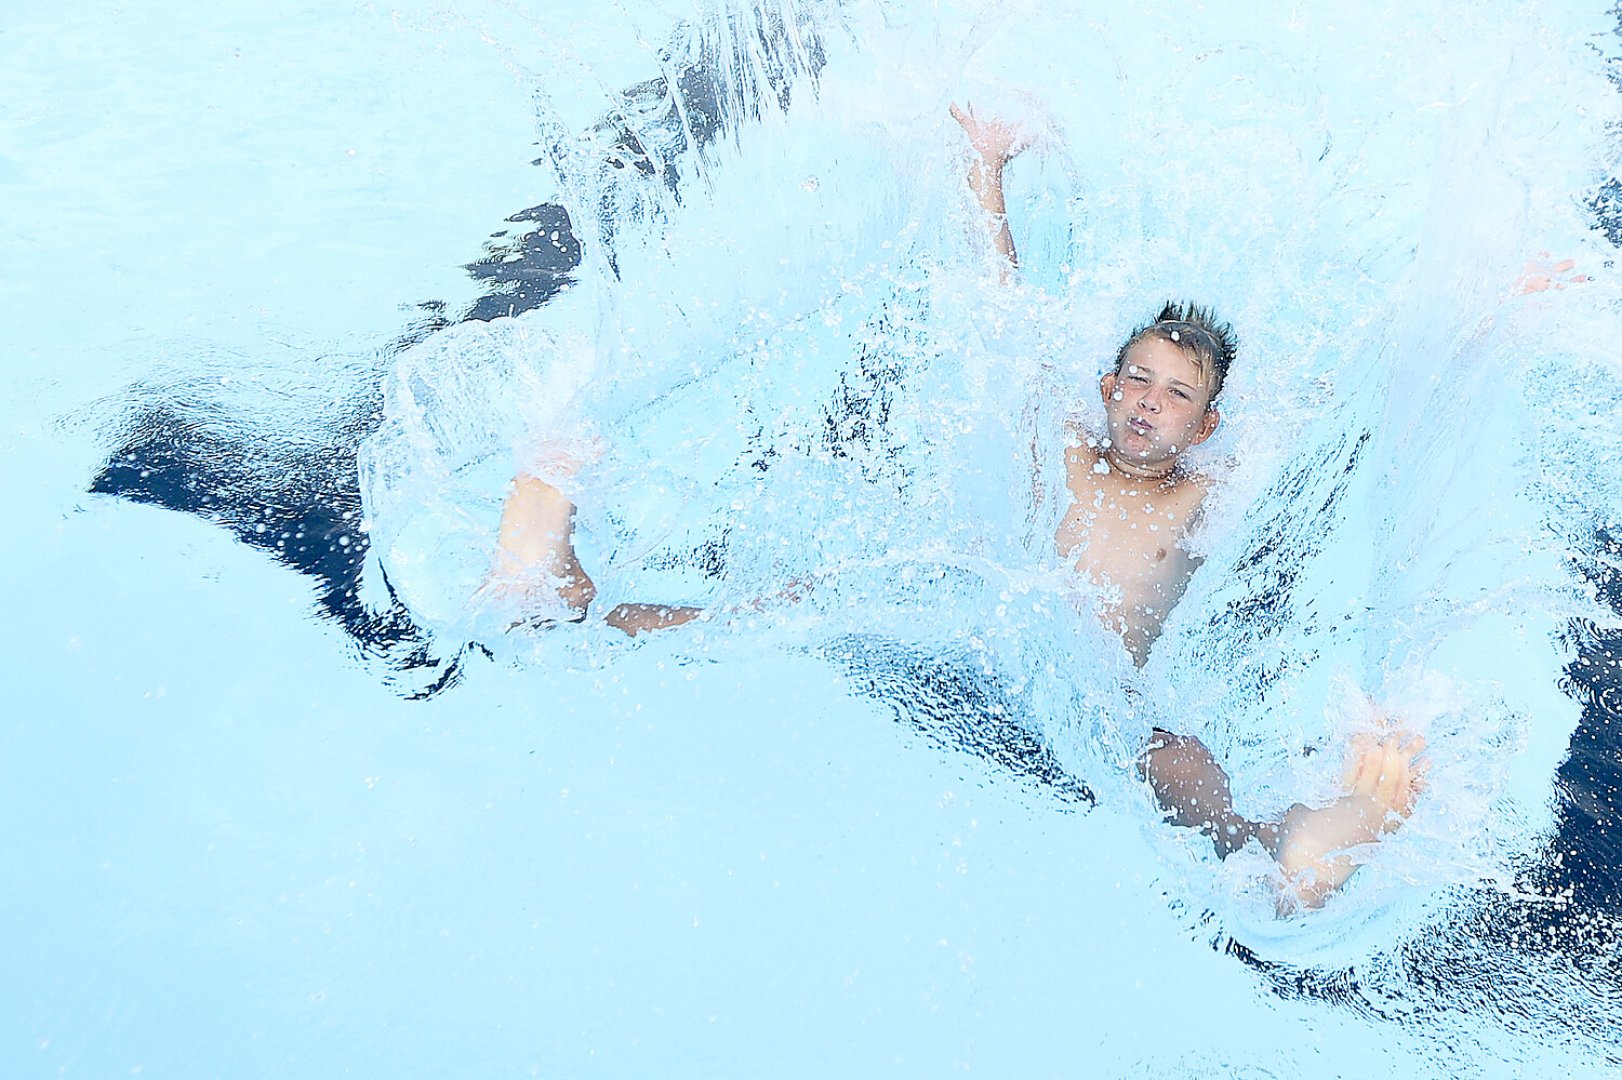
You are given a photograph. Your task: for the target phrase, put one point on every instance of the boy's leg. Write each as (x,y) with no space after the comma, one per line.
(1194,792)
(1384,775)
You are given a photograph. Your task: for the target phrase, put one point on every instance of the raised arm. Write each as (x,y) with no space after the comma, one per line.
(996,142)
(1382,778)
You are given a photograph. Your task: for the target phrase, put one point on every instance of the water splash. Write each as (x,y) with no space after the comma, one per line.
(786,342)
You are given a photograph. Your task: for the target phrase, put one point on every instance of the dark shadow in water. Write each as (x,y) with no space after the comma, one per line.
(955,705)
(304,511)
(520,273)
(306,519)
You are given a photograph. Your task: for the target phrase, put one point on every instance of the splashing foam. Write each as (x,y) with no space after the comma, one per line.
(788,343)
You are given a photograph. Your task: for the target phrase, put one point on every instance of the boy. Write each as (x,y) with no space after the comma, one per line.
(1132,507)
(1132,504)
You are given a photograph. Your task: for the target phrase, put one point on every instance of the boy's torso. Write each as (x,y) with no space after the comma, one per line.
(1127,535)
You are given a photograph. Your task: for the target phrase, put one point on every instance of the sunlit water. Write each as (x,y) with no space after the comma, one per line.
(265,822)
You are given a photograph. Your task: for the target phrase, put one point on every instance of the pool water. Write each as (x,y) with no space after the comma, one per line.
(280,804)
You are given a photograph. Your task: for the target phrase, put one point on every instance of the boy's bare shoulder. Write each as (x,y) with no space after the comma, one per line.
(1197,485)
(1081,457)
(1187,497)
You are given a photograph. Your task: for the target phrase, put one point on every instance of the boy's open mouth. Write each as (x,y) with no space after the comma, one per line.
(1141,427)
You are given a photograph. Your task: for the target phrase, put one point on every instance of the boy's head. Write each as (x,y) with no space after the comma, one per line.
(1196,331)
(1160,399)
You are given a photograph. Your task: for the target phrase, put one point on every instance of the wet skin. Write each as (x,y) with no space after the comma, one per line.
(1132,504)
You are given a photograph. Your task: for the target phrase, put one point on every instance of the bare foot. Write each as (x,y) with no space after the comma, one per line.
(1383,778)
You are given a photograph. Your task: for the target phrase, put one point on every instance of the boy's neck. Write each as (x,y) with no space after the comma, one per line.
(1162,473)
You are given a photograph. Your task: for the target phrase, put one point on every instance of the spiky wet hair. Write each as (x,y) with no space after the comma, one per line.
(1195,330)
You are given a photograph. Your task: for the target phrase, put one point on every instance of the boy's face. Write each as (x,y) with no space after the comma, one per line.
(1157,406)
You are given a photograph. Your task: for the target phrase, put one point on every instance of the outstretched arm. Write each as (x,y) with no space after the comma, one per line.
(996,143)
(1382,778)
(637,619)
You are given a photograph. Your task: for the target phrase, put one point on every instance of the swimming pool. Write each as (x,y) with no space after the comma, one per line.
(263,823)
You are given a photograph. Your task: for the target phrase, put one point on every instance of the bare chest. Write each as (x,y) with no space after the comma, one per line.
(1125,534)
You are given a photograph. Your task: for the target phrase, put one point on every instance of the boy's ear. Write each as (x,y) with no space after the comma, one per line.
(1208,425)
(1106,385)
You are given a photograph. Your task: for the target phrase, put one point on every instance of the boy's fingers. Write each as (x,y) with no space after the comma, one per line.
(1395,780)
(1391,748)
(1352,774)
(1396,757)
(1358,751)
(1413,779)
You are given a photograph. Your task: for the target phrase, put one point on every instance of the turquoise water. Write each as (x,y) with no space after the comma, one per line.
(243,837)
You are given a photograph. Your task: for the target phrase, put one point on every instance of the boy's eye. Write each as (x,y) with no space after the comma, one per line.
(1180,394)
(1137,378)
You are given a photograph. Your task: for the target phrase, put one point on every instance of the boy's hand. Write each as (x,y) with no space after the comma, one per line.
(997,141)
(1540,275)
(1384,772)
